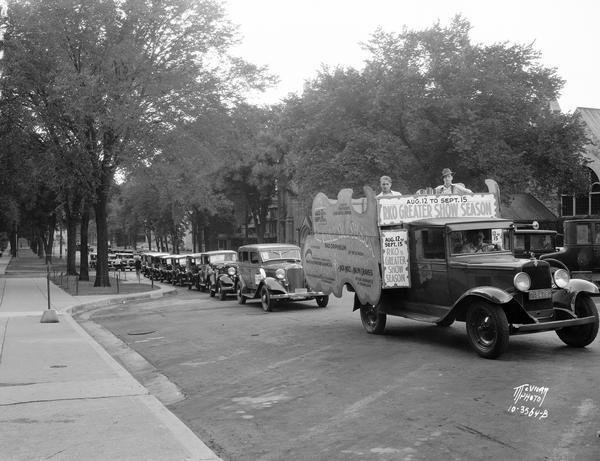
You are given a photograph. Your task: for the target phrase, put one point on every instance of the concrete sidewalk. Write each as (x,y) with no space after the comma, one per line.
(63,397)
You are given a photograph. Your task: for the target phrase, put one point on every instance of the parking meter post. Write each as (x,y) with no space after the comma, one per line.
(48,284)
(49,315)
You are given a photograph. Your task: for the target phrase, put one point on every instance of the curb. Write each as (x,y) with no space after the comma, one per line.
(90,305)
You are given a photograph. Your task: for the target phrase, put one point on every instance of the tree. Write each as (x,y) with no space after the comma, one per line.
(431,99)
(118,76)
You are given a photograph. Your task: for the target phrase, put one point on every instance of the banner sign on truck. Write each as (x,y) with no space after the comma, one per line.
(398,209)
(394,256)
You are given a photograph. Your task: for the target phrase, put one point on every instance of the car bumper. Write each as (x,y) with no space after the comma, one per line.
(297,296)
(549,326)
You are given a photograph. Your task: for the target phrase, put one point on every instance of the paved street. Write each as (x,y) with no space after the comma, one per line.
(306,383)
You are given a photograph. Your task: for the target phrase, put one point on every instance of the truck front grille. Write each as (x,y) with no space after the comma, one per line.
(295,278)
(539,274)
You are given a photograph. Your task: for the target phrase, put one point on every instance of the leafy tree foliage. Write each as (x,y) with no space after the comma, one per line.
(432,99)
(106,80)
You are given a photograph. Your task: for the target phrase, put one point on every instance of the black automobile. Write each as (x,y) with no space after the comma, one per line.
(273,272)
(223,273)
(531,241)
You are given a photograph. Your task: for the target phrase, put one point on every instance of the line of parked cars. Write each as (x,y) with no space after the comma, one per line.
(271,272)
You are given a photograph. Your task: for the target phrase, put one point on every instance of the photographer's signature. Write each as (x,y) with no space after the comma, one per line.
(528,400)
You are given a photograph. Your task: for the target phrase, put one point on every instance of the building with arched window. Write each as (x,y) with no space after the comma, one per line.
(587,205)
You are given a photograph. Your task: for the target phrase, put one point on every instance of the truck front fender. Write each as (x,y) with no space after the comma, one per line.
(273,285)
(492,294)
(566,298)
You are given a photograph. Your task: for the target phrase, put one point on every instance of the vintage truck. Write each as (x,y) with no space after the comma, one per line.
(441,258)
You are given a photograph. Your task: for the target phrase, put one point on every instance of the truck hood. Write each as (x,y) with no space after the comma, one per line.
(491,261)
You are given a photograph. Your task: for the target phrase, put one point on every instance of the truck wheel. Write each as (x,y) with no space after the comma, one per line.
(372,320)
(487,329)
(222,294)
(240,297)
(322,301)
(582,335)
(265,299)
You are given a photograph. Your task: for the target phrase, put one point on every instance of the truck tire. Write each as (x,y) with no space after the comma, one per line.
(373,321)
(265,299)
(487,329)
(222,294)
(322,301)
(240,297)
(582,335)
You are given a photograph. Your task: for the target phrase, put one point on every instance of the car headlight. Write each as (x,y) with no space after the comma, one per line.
(561,278)
(280,273)
(231,271)
(522,281)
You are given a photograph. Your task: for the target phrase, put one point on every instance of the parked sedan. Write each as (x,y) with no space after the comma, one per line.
(273,272)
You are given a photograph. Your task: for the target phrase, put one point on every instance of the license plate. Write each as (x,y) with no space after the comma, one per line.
(300,290)
(540,294)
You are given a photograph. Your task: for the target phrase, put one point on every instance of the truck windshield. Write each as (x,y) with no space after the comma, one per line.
(479,241)
(292,253)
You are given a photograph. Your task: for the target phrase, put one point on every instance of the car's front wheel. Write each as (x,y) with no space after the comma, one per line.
(222,294)
(373,321)
(487,329)
(582,335)
(322,301)
(265,299)
(240,297)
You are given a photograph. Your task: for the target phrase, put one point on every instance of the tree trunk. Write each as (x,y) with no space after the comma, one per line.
(14,240)
(71,243)
(49,241)
(84,268)
(102,279)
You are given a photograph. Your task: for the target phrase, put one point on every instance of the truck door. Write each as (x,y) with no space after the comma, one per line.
(429,270)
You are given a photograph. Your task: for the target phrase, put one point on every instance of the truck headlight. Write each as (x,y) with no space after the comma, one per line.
(522,281)
(231,271)
(280,274)
(561,278)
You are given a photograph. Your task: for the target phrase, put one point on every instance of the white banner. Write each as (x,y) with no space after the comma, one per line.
(406,208)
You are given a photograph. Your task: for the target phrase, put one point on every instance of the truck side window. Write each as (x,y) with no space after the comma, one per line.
(432,241)
(254,257)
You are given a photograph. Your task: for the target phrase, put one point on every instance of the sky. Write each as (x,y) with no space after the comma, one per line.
(295,38)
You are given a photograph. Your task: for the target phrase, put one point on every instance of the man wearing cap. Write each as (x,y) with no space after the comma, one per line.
(448,187)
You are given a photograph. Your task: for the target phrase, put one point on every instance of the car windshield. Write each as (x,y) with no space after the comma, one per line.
(541,242)
(223,257)
(479,241)
(280,253)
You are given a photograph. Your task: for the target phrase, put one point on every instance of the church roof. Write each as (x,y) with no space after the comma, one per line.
(525,207)
(591,117)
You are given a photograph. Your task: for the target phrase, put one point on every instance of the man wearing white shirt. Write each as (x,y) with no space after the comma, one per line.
(386,187)
(448,187)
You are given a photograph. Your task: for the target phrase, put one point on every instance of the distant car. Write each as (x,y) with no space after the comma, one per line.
(533,242)
(223,273)
(211,262)
(192,268)
(178,271)
(125,261)
(150,263)
(273,272)
(581,249)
